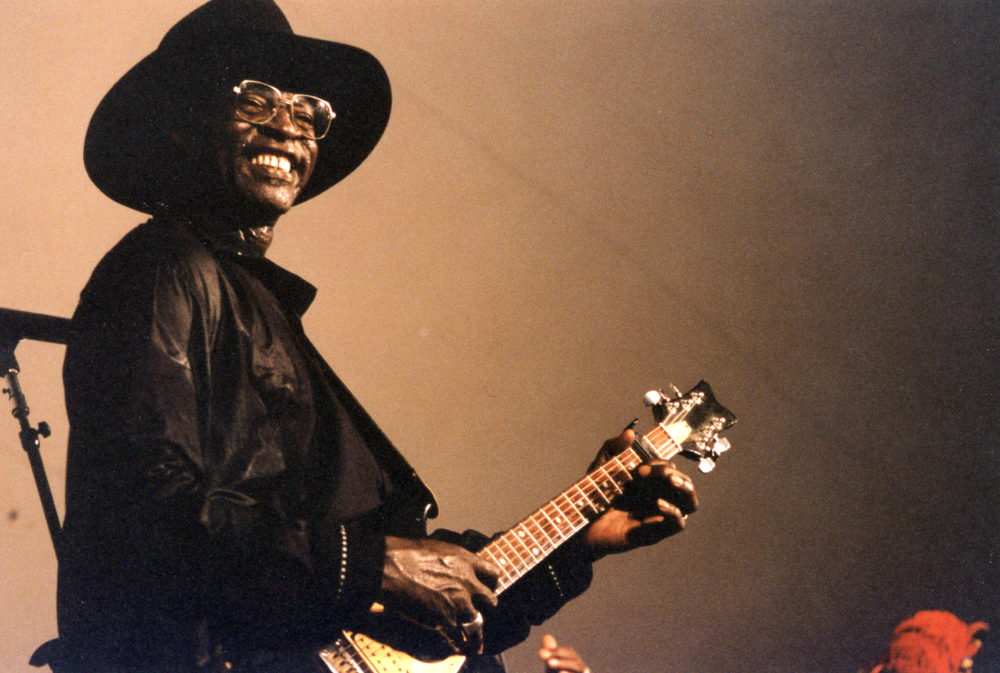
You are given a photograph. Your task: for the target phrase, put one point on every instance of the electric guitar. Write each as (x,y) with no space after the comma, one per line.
(687,425)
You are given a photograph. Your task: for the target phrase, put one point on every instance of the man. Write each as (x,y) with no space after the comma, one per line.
(230,505)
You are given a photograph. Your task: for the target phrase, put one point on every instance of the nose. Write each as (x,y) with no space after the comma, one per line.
(282,122)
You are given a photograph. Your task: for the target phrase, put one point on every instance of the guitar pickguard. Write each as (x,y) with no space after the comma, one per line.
(357,653)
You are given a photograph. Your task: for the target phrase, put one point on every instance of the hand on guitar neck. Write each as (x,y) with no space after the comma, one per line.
(445,587)
(653,507)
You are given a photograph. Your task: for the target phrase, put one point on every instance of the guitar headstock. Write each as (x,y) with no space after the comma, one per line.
(688,425)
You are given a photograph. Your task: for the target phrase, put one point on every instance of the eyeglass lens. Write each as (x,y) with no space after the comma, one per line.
(258,103)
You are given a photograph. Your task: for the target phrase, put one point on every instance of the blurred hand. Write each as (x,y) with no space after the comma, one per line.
(560,659)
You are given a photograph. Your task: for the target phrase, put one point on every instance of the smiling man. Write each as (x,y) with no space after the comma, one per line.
(229,504)
(266,148)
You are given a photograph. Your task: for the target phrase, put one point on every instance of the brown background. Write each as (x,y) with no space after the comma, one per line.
(578,201)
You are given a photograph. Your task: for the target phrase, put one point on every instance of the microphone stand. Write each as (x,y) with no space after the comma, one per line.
(15,325)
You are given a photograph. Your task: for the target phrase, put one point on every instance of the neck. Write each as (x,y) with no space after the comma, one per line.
(245,238)
(256,240)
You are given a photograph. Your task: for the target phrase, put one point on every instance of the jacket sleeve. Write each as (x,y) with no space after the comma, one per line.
(537,596)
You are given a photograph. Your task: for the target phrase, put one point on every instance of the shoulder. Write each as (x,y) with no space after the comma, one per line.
(154,253)
(156,270)
(157,245)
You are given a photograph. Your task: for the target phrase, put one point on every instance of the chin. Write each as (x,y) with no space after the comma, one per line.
(267,201)
(276,206)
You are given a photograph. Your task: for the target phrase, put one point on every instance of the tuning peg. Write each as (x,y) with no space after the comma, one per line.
(658,401)
(653,398)
(719,446)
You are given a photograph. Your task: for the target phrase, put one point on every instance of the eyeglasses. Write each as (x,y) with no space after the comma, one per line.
(258,103)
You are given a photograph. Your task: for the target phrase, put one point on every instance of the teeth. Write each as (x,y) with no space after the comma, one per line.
(273,161)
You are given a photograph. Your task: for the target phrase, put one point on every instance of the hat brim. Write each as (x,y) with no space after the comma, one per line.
(128,150)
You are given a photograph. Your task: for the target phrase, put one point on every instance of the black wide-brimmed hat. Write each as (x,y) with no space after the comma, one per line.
(128,150)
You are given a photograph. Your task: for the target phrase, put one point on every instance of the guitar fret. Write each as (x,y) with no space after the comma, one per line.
(545,544)
(515,562)
(533,548)
(629,460)
(344,652)
(492,553)
(566,515)
(580,503)
(559,534)
(609,478)
(597,491)
(542,524)
(522,547)
(517,534)
(495,547)
(574,513)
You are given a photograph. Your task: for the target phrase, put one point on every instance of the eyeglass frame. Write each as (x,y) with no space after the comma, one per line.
(284,99)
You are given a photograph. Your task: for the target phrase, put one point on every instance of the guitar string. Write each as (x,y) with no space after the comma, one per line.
(351,655)
(622,464)
(592,498)
(519,562)
(516,556)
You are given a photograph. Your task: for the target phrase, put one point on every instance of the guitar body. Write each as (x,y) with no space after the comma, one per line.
(357,653)
(687,425)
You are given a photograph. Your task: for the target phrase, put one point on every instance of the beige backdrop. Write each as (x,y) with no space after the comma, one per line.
(578,201)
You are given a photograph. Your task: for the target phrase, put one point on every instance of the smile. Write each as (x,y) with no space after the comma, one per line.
(272,161)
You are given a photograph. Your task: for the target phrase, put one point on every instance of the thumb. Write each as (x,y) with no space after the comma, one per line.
(613,447)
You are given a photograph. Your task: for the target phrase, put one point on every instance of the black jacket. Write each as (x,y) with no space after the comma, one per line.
(226,493)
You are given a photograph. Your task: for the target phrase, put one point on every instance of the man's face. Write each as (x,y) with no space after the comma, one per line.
(263,166)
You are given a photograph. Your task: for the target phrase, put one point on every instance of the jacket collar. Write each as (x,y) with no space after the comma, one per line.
(294,293)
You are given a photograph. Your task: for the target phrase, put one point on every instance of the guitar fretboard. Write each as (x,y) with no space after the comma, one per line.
(528,543)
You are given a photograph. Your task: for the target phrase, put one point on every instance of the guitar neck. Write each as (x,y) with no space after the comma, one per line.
(531,541)
(688,426)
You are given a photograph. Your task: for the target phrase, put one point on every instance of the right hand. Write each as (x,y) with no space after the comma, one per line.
(439,585)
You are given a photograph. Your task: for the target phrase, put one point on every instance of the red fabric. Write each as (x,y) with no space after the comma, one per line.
(931,641)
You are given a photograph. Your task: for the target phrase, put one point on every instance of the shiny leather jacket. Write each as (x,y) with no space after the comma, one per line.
(225,491)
